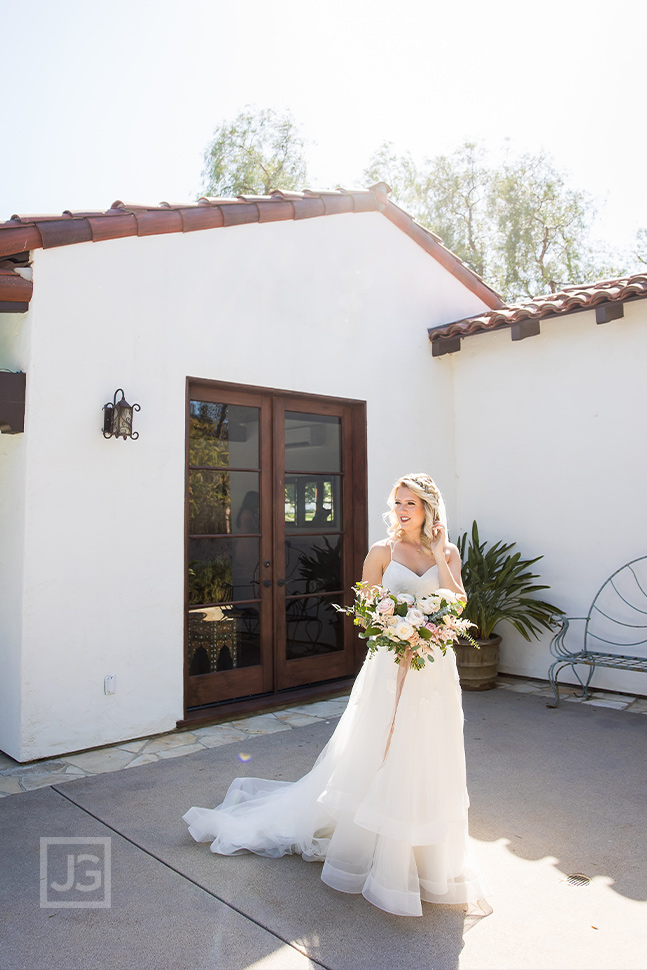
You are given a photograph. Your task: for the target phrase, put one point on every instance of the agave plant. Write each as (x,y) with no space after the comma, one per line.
(501,586)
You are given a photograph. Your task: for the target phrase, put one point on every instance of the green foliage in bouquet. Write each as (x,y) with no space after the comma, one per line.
(500,586)
(407,625)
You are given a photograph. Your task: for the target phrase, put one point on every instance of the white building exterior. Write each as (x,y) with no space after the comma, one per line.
(540,440)
(93,530)
(550,454)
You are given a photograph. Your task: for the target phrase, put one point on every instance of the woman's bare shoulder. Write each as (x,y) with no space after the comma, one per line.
(376,562)
(379,553)
(381,549)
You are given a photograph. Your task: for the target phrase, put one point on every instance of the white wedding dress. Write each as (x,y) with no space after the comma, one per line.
(388,818)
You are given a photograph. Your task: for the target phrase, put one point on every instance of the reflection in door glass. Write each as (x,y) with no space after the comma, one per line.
(313,502)
(313,627)
(222,502)
(223,570)
(223,435)
(312,442)
(223,638)
(313,564)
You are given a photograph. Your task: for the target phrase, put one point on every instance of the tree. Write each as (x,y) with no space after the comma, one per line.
(446,196)
(640,252)
(518,225)
(256,152)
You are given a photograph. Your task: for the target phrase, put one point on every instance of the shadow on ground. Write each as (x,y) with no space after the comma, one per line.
(569,783)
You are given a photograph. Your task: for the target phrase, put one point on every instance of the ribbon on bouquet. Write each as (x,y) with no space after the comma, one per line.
(403,669)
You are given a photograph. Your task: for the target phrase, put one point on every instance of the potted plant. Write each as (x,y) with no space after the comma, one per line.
(499,586)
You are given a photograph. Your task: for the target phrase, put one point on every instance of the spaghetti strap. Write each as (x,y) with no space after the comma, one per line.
(391,545)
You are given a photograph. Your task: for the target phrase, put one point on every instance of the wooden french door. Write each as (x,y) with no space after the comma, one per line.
(276,534)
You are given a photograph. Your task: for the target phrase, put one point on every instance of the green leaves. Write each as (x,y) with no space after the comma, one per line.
(256,152)
(516,221)
(500,586)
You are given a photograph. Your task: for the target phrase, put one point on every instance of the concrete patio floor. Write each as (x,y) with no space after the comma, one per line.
(553,792)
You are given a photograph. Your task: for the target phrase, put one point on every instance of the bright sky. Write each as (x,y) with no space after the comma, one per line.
(117,99)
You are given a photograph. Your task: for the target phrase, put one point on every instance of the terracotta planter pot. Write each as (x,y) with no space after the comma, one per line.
(478,668)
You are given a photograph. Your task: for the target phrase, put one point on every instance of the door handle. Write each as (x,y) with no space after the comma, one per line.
(280,582)
(267,582)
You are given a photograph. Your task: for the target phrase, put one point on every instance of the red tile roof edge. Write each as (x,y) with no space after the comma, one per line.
(13,288)
(572,299)
(23,233)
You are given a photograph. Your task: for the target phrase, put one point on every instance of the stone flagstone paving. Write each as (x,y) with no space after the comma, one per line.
(16,778)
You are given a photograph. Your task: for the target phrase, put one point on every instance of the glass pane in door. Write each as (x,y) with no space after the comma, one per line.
(223,638)
(223,569)
(223,435)
(313,539)
(223,502)
(313,564)
(312,442)
(224,537)
(313,627)
(312,502)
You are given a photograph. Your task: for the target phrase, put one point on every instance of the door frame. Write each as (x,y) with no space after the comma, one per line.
(263,679)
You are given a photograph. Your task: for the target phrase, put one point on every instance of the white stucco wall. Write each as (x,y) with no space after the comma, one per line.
(15,333)
(550,454)
(335,306)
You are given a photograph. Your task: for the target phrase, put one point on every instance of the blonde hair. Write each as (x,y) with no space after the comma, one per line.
(432,502)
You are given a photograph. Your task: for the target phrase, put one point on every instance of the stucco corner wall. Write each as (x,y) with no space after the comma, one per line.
(549,454)
(12,510)
(15,342)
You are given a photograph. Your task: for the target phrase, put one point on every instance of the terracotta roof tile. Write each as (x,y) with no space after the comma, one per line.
(239,213)
(572,299)
(107,226)
(201,217)
(13,288)
(64,232)
(309,208)
(24,233)
(336,204)
(154,222)
(276,210)
(15,238)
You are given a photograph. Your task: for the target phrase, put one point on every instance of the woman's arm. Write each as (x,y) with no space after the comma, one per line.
(448,561)
(375,564)
(449,571)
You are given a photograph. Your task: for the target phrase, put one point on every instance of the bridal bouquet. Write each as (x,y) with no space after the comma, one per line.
(402,622)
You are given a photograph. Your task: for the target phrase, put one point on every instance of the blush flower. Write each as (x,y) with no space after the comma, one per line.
(416,630)
(385,606)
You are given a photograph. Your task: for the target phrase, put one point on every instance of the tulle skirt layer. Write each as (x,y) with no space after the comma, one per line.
(385,805)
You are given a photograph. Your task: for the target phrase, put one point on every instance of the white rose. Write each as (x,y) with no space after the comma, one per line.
(429,604)
(404,630)
(415,617)
(406,598)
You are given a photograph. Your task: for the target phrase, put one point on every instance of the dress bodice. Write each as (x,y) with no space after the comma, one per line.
(398,578)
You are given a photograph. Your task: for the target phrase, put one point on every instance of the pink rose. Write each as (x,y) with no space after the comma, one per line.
(385,606)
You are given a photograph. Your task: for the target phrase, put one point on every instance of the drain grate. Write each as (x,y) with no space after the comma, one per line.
(578,879)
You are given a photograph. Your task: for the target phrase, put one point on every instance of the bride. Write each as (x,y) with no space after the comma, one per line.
(385,805)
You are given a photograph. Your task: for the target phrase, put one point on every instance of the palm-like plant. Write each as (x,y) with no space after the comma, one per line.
(501,586)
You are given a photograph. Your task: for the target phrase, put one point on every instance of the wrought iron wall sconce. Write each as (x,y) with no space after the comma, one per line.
(118,417)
